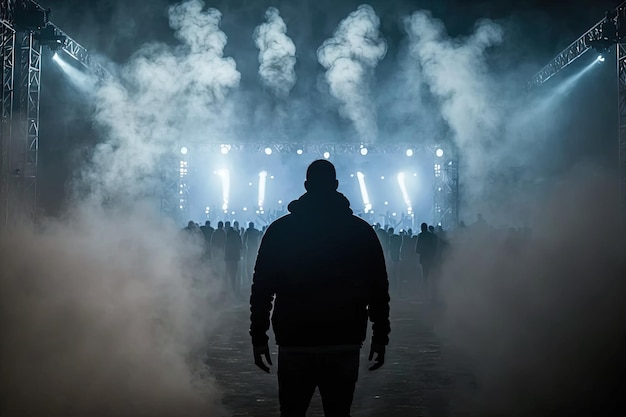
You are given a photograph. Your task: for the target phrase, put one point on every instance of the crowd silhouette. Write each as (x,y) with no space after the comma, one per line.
(414,260)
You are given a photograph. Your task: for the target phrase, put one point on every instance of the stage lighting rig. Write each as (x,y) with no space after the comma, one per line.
(51,37)
(609,34)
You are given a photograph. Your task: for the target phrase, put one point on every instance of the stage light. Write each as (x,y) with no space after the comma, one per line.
(299,151)
(184,150)
(364,151)
(268,151)
(245,209)
(225,176)
(382,177)
(600,58)
(55,56)
(409,152)
(364,196)
(224,149)
(439,153)
(262,185)
(326,155)
(405,194)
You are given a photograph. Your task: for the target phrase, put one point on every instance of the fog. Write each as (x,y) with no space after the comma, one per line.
(104,311)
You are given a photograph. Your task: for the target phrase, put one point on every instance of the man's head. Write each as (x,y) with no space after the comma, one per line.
(207,223)
(321,176)
(251,225)
(220,224)
(390,231)
(424,227)
(227,225)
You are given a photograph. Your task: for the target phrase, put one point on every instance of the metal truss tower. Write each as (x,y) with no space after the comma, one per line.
(21,46)
(609,32)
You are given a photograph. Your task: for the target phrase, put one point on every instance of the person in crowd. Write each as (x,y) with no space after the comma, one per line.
(251,242)
(324,270)
(383,237)
(207,232)
(232,256)
(407,261)
(218,241)
(426,248)
(395,246)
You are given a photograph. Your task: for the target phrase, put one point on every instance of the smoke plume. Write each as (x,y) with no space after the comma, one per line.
(538,316)
(165,96)
(277,54)
(110,320)
(459,78)
(350,58)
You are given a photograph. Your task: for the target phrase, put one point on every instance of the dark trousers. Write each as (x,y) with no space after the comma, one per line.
(334,373)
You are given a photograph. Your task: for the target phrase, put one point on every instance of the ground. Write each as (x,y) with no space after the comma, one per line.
(418,379)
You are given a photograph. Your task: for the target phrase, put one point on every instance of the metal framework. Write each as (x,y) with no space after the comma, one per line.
(621,82)
(568,55)
(8,75)
(595,36)
(80,54)
(21,86)
(25,142)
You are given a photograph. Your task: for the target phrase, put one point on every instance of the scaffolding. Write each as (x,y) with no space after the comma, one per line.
(608,33)
(21,45)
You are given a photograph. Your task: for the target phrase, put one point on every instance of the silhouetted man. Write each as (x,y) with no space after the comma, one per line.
(325,271)
(207,232)
(426,247)
(218,240)
(251,241)
(232,256)
(395,246)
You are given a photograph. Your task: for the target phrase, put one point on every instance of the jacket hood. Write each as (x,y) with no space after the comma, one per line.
(321,205)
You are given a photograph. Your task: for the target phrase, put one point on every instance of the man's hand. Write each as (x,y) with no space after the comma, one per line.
(379,350)
(259,352)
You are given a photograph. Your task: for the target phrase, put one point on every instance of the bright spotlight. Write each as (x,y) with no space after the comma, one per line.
(299,151)
(55,56)
(225,175)
(409,152)
(405,194)
(184,150)
(262,184)
(439,153)
(326,155)
(601,58)
(268,151)
(224,149)
(366,199)
(364,151)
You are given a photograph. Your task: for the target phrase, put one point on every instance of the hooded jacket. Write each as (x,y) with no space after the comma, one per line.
(324,269)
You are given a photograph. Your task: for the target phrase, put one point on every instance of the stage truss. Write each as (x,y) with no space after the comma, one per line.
(609,32)
(24,31)
(445,210)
